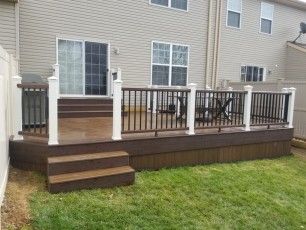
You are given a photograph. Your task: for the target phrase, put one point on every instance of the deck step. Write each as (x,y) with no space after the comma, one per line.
(84,107)
(99,178)
(105,101)
(83,162)
(80,114)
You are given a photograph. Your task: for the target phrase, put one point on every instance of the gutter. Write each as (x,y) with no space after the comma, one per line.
(17,27)
(218,43)
(208,43)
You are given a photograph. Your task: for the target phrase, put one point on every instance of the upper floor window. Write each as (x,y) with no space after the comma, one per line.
(252,73)
(169,64)
(266,18)
(234,13)
(176,4)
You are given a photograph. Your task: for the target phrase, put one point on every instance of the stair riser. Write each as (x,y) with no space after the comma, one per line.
(86,101)
(85,108)
(88,114)
(70,167)
(101,182)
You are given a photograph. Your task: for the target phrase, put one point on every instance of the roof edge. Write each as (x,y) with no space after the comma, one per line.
(296,46)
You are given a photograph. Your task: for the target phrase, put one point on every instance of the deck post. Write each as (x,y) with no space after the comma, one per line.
(53,110)
(17,106)
(117,110)
(291,106)
(56,74)
(191,108)
(247,107)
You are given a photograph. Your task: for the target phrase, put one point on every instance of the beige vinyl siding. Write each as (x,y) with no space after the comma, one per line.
(128,25)
(7,26)
(296,62)
(247,46)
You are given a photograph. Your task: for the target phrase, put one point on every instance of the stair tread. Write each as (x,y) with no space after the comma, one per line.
(77,176)
(82,157)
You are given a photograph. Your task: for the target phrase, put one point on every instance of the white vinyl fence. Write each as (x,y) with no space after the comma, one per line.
(299,121)
(8,68)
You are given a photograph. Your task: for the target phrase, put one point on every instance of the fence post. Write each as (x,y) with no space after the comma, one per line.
(17,105)
(117,110)
(53,114)
(56,74)
(191,108)
(247,107)
(291,106)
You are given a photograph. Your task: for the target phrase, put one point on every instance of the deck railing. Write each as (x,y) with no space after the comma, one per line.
(219,109)
(138,110)
(154,110)
(35,109)
(269,108)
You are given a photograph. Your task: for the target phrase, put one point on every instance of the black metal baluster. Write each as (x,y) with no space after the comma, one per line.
(34,109)
(129,116)
(140,117)
(123,108)
(146,111)
(156,112)
(29,110)
(23,109)
(40,111)
(168,110)
(135,109)
(162,109)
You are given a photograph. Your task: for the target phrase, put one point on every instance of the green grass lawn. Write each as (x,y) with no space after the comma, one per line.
(265,194)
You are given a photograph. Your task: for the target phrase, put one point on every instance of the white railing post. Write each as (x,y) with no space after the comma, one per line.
(291,106)
(191,108)
(56,74)
(17,107)
(53,115)
(117,110)
(247,107)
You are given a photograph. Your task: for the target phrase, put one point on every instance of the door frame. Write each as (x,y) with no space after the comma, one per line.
(83,40)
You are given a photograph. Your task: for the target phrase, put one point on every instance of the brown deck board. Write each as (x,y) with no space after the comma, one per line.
(81,157)
(89,174)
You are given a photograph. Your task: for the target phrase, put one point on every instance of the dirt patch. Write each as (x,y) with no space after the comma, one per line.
(15,213)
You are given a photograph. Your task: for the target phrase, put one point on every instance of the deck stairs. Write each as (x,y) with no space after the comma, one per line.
(88,171)
(85,107)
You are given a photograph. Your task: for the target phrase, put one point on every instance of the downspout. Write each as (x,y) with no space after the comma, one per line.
(208,43)
(218,43)
(215,43)
(17,17)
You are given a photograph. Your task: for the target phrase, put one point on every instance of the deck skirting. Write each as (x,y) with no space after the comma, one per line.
(158,152)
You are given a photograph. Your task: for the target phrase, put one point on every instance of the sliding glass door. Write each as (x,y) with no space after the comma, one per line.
(83,68)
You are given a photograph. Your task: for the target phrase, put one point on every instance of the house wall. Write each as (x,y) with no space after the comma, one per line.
(248,46)
(8,68)
(128,25)
(296,64)
(7,26)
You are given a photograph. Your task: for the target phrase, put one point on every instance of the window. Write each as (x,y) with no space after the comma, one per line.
(266,18)
(234,13)
(83,67)
(176,4)
(169,64)
(252,73)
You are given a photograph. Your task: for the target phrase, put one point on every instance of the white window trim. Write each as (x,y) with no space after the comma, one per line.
(239,12)
(170,64)
(264,77)
(261,17)
(170,7)
(83,40)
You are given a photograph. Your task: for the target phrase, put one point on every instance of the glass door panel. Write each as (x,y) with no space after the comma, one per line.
(70,59)
(96,68)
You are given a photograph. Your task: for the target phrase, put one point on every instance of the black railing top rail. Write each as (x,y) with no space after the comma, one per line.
(156,89)
(220,91)
(33,86)
(271,92)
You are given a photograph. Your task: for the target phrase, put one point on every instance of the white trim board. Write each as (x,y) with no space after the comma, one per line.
(4,183)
